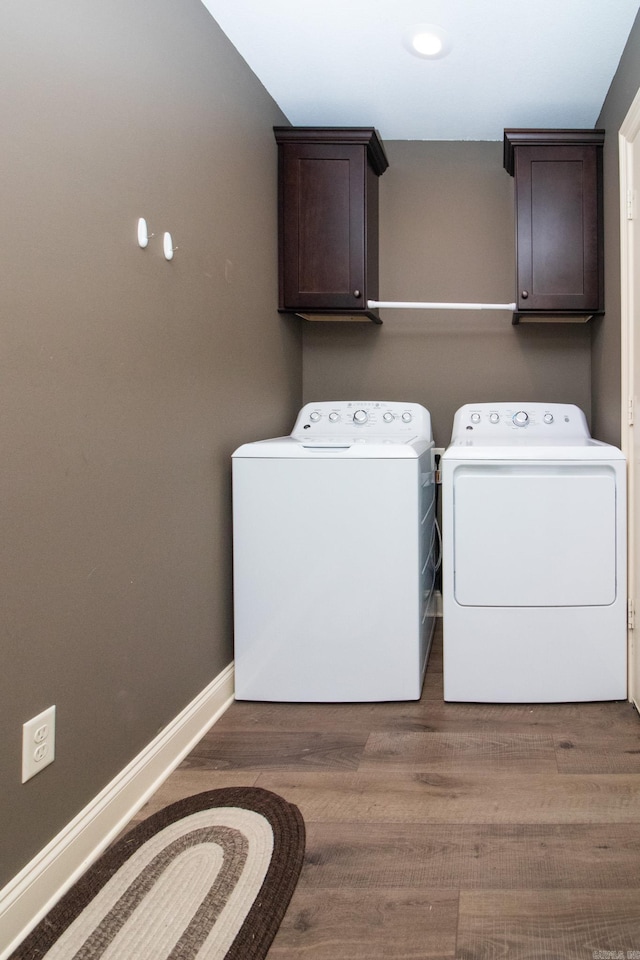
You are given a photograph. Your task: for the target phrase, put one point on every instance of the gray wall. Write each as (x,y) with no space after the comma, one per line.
(447,234)
(606,329)
(126,381)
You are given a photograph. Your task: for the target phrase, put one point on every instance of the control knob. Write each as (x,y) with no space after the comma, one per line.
(494,418)
(360,416)
(406,417)
(475,418)
(315,416)
(521,418)
(334,417)
(387,417)
(548,418)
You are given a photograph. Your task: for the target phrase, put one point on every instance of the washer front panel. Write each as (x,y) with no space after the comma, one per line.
(333,572)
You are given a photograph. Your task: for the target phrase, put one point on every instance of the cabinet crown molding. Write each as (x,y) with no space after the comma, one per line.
(358,136)
(522,137)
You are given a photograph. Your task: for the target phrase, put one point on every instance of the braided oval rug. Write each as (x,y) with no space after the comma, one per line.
(207,878)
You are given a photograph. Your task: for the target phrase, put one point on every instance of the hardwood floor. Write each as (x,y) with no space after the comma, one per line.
(440,830)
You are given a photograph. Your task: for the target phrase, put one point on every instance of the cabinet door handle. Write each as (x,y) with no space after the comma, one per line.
(357,293)
(525,294)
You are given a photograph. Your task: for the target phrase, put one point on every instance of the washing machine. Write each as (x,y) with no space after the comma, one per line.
(534,557)
(334,556)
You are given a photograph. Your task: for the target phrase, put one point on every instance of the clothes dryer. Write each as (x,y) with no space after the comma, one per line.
(534,557)
(334,555)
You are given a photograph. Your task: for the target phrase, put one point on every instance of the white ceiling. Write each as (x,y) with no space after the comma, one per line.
(514,63)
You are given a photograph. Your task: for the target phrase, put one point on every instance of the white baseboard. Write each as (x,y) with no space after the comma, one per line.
(32,893)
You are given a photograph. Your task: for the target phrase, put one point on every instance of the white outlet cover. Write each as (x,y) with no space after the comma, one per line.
(38,743)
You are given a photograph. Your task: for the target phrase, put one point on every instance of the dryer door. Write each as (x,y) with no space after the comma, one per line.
(531,535)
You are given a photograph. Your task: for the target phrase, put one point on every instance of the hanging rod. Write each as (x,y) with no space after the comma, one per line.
(417,305)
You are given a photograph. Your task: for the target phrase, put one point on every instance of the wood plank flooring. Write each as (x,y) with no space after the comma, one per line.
(445,831)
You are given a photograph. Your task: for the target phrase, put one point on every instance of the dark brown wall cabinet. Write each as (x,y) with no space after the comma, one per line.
(559,222)
(328,221)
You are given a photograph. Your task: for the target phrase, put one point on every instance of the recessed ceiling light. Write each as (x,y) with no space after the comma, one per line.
(428,41)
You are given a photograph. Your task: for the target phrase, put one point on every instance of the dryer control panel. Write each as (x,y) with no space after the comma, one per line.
(536,421)
(362,419)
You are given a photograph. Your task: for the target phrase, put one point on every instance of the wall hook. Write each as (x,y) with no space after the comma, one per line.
(143,233)
(167,246)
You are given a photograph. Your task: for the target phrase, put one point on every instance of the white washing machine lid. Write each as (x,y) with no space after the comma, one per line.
(525,431)
(337,448)
(351,430)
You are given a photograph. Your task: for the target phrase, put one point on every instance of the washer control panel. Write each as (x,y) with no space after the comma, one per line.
(507,421)
(350,420)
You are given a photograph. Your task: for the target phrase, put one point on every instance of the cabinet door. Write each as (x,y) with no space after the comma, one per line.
(323,216)
(557,201)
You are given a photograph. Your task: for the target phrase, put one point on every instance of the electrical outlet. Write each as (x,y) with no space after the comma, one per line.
(38,743)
